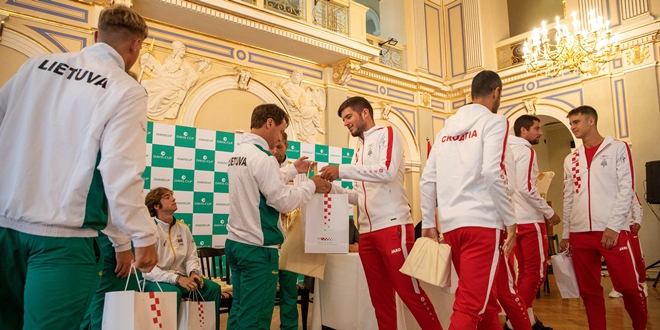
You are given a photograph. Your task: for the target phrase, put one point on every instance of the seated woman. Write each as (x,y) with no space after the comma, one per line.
(178,269)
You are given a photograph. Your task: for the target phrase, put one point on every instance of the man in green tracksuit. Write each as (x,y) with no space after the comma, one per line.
(257,196)
(72,147)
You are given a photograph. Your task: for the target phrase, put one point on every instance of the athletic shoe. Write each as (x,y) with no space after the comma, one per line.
(615,294)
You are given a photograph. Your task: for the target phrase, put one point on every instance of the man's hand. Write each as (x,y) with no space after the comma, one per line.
(302,166)
(563,245)
(330,173)
(553,220)
(146,258)
(198,279)
(124,261)
(610,238)
(322,186)
(431,233)
(510,239)
(636,227)
(187,283)
(355,247)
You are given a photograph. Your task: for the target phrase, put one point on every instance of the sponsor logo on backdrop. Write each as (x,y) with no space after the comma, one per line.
(183,179)
(203,202)
(184,159)
(185,136)
(164,135)
(161,179)
(204,160)
(206,140)
(162,155)
(204,182)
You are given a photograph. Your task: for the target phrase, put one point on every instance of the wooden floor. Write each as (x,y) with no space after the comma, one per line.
(561,314)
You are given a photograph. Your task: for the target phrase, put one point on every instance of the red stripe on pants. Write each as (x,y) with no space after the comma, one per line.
(475,253)
(587,250)
(638,256)
(532,261)
(382,253)
(507,294)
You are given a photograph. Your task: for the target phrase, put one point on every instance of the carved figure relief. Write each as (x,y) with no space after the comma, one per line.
(171,81)
(305,106)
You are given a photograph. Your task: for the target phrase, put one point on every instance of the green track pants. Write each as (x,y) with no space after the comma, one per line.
(254,273)
(46,282)
(288,300)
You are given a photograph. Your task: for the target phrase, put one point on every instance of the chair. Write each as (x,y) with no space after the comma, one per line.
(303,301)
(553,248)
(207,257)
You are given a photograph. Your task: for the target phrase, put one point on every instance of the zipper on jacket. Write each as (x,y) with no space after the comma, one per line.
(365,194)
(169,238)
(589,194)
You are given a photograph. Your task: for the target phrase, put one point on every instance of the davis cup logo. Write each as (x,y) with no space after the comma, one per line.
(183,177)
(185,134)
(224,139)
(223,180)
(203,200)
(222,222)
(204,157)
(293,147)
(162,153)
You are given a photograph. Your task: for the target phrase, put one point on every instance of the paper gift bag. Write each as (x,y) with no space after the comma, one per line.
(197,315)
(562,267)
(292,255)
(326,225)
(131,310)
(430,262)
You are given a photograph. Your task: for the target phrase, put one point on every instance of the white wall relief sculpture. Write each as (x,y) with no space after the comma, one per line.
(171,81)
(305,106)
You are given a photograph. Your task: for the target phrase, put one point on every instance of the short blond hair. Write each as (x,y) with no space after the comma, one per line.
(121,22)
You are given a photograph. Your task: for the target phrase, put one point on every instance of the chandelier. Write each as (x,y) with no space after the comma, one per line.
(583,50)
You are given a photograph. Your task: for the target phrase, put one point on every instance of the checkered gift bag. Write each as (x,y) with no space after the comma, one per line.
(197,315)
(133,310)
(325,219)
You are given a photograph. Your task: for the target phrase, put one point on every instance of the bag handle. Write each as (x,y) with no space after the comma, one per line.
(133,270)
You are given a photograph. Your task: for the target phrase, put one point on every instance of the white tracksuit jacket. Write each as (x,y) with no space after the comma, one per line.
(257,195)
(528,204)
(177,253)
(466,172)
(73,132)
(598,197)
(378,171)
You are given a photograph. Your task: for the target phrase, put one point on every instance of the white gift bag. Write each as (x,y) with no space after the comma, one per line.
(562,267)
(132,310)
(430,262)
(197,315)
(325,219)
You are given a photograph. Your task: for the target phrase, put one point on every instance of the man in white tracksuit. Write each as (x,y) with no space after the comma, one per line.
(257,196)
(599,186)
(466,174)
(386,230)
(531,210)
(73,132)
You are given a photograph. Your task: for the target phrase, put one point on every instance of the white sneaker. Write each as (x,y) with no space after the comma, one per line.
(615,294)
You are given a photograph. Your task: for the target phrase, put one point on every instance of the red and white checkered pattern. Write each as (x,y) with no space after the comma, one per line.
(575,160)
(327,205)
(156,310)
(200,311)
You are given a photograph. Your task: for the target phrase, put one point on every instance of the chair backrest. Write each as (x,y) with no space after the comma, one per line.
(553,245)
(209,259)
